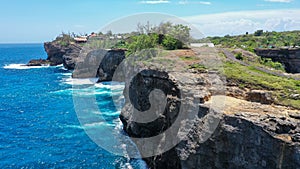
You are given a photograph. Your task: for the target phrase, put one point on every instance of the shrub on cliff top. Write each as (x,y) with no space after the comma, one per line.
(64,39)
(171,43)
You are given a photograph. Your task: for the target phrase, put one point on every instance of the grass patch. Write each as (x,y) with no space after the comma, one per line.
(198,67)
(188,58)
(252,78)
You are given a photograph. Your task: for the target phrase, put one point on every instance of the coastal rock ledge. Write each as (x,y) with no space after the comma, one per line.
(59,54)
(263,138)
(248,135)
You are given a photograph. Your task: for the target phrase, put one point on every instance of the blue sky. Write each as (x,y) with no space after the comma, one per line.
(27,21)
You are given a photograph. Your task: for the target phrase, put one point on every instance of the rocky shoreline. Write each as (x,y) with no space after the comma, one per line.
(248,135)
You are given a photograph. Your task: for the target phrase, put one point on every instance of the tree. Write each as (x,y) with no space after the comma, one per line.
(181,33)
(109,33)
(171,43)
(258,33)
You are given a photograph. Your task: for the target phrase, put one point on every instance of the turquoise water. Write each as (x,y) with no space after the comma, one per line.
(38,124)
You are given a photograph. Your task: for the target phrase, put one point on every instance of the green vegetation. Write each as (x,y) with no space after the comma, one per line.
(269,63)
(198,67)
(64,39)
(189,58)
(164,36)
(239,56)
(254,60)
(170,43)
(259,39)
(247,76)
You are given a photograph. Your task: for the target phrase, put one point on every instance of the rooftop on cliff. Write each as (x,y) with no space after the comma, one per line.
(244,70)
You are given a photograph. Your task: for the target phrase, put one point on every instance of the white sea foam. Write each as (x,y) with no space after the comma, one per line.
(23,66)
(73,126)
(112,86)
(74,81)
(65,91)
(67,74)
(97,124)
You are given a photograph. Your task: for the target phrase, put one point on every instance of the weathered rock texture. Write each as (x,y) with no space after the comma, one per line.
(59,54)
(99,63)
(38,62)
(290,58)
(86,63)
(245,138)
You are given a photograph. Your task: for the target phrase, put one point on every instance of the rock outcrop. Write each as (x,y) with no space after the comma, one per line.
(99,63)
(290,58)
(86,62)
(218,137)
(38,62)
(241,140)
(59,54)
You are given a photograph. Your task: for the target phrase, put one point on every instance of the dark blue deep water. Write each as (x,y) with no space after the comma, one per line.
(39,127)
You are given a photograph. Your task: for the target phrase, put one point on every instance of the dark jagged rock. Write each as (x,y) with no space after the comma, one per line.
(85,62)
(241,140)
(290,58)
(38,62)
(243,143)
(109,64)
(60,54)
(99,63)
(259,96)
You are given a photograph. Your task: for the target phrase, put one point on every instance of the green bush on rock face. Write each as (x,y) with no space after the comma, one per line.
(64,39)
(140,42)
(239,56)
(275,65)
(171,43)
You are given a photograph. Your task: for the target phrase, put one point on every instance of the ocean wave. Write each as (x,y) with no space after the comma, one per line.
(73,126)
(74,81)
(112,85)
(97,124)
(65,91)
(23,66)
(67,74)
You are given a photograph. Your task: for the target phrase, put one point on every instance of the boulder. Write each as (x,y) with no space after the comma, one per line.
(260,96)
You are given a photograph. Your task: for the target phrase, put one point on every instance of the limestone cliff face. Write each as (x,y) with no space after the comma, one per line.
(241,140)
(289,57)
(86,63)
(59,54)
(99,63)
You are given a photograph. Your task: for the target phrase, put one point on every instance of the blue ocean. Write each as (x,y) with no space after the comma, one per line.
(39,127)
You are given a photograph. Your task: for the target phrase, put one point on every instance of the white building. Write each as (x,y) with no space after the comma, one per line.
(198,45)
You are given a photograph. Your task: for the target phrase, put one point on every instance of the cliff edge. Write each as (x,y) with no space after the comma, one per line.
(221,131)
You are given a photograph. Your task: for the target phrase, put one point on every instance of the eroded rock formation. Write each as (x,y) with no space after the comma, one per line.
(99,63)
(290,58)
(60,54)
(247,134)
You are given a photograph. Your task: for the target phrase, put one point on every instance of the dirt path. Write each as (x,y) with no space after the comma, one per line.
(230,56)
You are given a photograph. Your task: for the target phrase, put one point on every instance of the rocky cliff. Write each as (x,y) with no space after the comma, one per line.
(99,63)
(290,58)
(62,54)
(59,54)
(86,62)
(204,133)
(239,134)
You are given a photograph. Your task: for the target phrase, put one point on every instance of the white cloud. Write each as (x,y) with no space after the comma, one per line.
(283,1)
(234,23)
(194,2)
(155,2)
